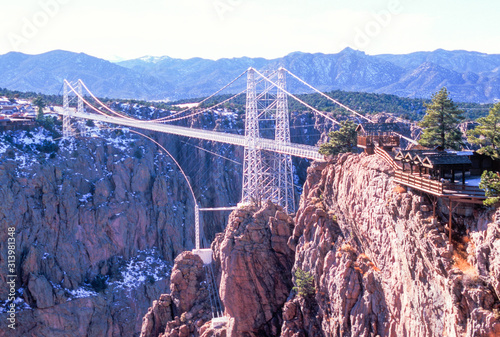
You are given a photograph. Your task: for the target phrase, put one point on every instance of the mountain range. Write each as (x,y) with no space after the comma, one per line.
(469,76)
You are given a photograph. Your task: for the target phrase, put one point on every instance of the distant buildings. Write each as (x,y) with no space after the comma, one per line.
(16,114)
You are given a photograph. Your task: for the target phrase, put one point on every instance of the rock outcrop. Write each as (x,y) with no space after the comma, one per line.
(187,307)
(382,267)
(254,264)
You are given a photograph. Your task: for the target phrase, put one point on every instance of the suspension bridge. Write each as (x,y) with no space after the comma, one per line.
(267,164)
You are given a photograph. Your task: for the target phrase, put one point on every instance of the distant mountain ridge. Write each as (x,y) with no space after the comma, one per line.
(469,76)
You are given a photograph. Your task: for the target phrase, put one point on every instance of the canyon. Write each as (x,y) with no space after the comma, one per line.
(104,230)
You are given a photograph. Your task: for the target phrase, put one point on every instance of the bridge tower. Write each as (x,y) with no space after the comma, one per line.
(267,175)
(283,174)
(252,161)
(68,130)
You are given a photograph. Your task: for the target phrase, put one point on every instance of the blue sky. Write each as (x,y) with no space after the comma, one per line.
(215,29)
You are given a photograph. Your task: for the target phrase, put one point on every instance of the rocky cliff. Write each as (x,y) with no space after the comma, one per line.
(381,264)
(98,223)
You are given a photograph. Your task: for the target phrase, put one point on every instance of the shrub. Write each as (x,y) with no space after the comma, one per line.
(304,283)
(99,283)
(490,183)
(48,147)
(138,153)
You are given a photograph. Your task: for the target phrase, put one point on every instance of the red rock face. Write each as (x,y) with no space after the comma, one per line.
(381,266)
(76,214)
(182,312)
(255,264)
(382,269)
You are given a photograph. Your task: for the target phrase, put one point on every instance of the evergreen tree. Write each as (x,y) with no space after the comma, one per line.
(440,123)
(305,283)
(343,140)
(487,133)
(40,104)
(490,183)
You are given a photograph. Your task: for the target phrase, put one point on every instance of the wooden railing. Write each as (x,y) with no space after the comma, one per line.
(438,188)
(468,190)
(420,183)
(382,153)
(389,141)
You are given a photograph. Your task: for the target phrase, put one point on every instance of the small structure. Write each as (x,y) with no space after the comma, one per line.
(218,322)
(438,165)
(378,134)
(205,254)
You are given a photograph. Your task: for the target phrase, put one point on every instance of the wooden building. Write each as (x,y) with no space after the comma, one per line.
(435,165)
(378,134)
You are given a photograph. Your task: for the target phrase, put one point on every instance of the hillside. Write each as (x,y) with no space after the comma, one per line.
(469,76)
(45,73)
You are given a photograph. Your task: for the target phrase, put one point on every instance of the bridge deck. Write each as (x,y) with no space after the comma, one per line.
(293,149)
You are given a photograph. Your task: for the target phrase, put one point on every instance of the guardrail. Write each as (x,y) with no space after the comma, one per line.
(420,183)
(387,158)
(469,190)
(390,141)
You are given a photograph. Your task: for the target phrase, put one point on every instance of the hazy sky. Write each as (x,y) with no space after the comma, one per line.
(215,29)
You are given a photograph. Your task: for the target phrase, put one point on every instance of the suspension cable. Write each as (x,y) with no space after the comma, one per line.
(215,154)
(199,112)
(106,107)
(328,97)
(297,99)
(207,109)
(204,100)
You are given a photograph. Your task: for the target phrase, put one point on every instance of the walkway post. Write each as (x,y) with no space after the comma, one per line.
(450,211)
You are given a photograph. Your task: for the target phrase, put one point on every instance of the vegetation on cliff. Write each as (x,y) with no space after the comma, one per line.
(341,141)
(440,123)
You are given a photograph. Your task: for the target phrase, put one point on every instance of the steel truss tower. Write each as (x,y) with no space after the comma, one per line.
(267,175)
(68,130)
(252,163)
(283,173)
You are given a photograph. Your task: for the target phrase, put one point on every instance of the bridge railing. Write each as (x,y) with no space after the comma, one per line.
(383,140)
(382,153)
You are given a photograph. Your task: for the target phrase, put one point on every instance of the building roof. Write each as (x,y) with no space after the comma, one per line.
(445,159)
(378,127)
(413,154)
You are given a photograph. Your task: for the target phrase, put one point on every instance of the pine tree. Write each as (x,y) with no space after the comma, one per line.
(343,140)
(490,183)
(440,123)
(40,104)
(487,133)
(305,283)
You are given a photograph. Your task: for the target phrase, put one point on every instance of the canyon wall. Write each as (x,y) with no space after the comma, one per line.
(98,224)
(381,263)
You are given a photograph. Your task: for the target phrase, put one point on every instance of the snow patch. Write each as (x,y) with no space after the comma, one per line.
(82,293)
(147,265)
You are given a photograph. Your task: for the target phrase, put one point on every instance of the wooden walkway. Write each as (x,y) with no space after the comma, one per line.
(455,192)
